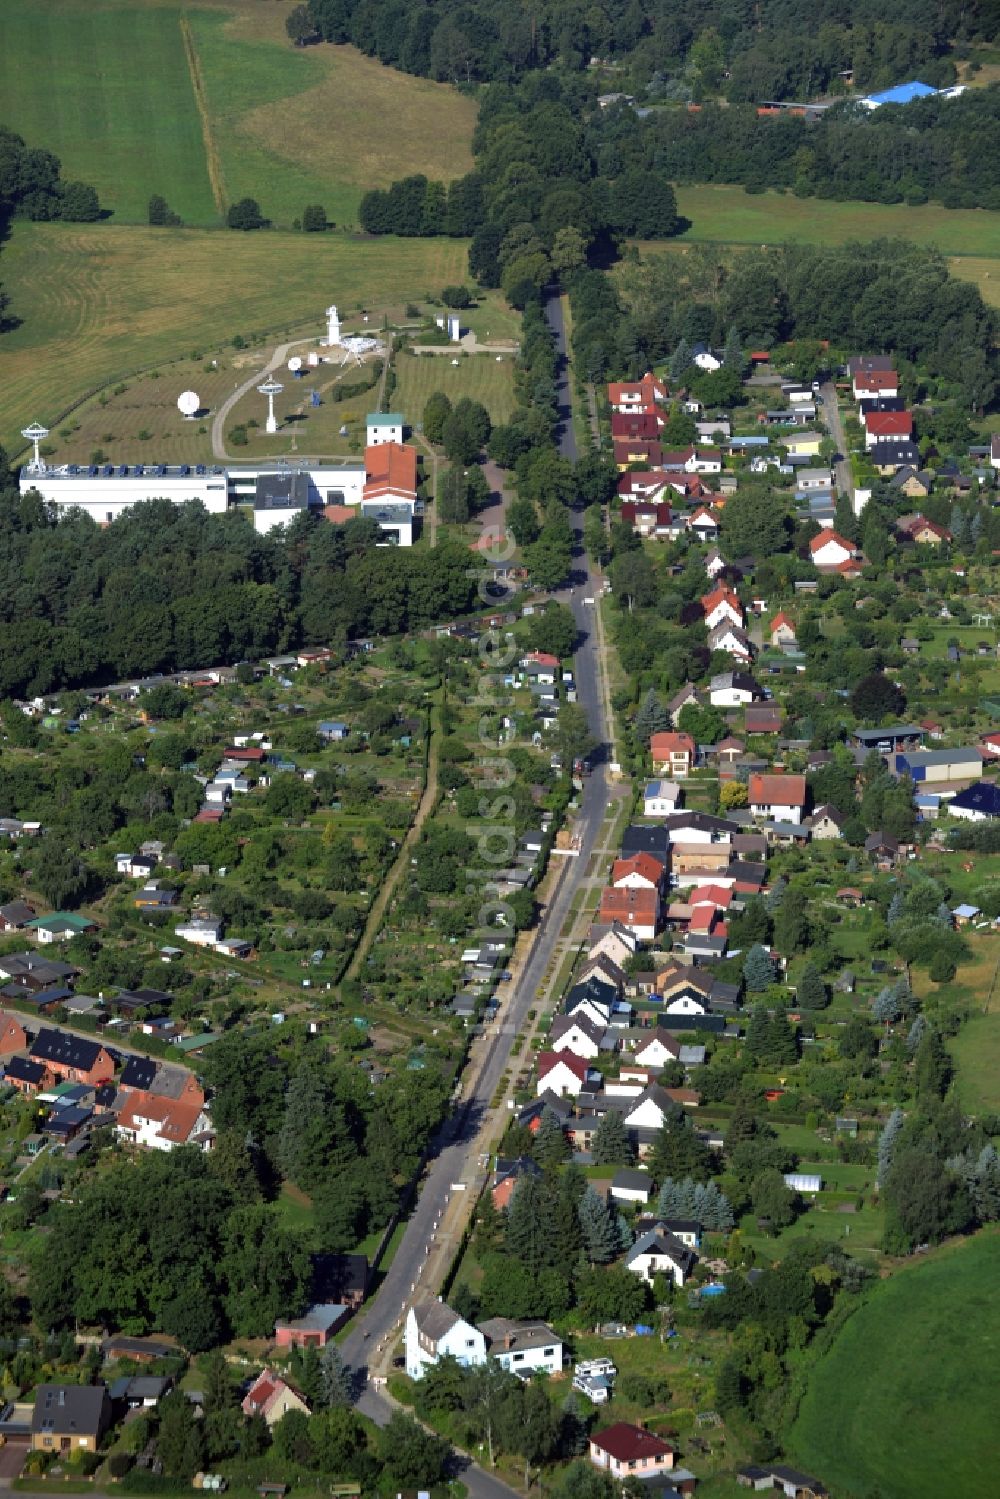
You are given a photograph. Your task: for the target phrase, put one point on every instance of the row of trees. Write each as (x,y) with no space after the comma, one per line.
(170,586)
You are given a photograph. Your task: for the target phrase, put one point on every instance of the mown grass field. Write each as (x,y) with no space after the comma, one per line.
(904,1395)
(976,1050)
(99,301)
(209,102)
(477,376)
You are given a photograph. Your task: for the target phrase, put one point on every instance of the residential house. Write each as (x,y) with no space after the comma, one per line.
(13,1036)
(616,942)
(814,479)
(156,1123)
(826,822)
(734,641)
(722,605)
(69,1417)
(561,1073)
(657,1252)
(272,1397)
(891,454)
(702,356)
(916,484)
(639,910)
(830,550)
(685,695)
(331,731)
(314,1329)
(704,523)
(630,395)
(26,1076)
(921,531)
(522,1347)
(627,1451)
(637,423)
(649,518)
(764,718)
(73,1058)
(506,1175)
(673,754)
(661,798)
(577,1035)
(803,444)
(390,473)
(382,427)
(883,382)
(732,689)
(14,915)
(782,631)
(978,803)
(59,926)
(778,797)
(701,828)
(637,872)
(631,1186)
(883,425)
(653,839)
(434,1331)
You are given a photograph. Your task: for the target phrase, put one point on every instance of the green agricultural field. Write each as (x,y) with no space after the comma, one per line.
(98,301)
(477,376)
(108,89)
(901,1397)
(734,216)
(209,102)
(976,1050)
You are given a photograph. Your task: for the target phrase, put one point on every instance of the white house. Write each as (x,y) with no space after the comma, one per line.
(687,1004)
(203,933)
(661,798)
(433,1331)
(779,798)
(650,1109)
(656,1052)
(830,550)
(731,639)
(576,1036)
(618,944)
(631,1186)
(720,605)
(594,1011)
(733,689)
(702,356)
(659,1253)
(384,426)
(561,1073)
(523,1347)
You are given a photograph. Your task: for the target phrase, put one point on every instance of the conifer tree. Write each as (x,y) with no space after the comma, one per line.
(334,1378)
(758,970)
(652,718)
(611,1145)
(887,1143)
(811,992)
(600,1230)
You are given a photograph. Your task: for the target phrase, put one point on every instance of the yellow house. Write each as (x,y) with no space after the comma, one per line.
(271,1397)
(69,1418)
(803,444)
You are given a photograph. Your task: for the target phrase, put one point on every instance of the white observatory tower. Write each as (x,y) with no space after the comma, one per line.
(332,327)
(270,388)
(35,434)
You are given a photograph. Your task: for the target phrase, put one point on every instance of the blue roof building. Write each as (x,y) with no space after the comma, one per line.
(978,803)
(903,93)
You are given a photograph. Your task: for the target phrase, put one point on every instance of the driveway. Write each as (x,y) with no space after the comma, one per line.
(835,427)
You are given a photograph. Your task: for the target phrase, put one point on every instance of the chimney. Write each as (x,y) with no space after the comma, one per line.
(62,1397)
(507,1340)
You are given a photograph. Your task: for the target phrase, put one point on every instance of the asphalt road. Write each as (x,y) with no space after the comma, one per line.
(450,1150)
(835,427)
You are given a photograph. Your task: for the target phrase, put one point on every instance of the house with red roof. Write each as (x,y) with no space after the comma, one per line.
(632,450)
(639,872)
(272,1397)
(869,384)
(880,425)
(649,518)
(778,797)
(561,1073)
(674,754)
(637,485)
(390,472)
(829,550)
(720,605)
(638,910)
(921,531)
(718,897)
(782,630)
(627,1451)
(627,395)
(704,523)
(637,423)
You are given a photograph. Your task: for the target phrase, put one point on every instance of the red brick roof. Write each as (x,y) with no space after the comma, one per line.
(668,742)
(721,595)
(629,906)
(828,534)
(549,1059)
(641,864)
(889,423)
(627,1444)
(777,790)
(390,468)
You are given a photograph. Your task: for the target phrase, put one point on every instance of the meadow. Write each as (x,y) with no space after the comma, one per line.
(477,376)
(100,301)
(901,1397)
(210,102)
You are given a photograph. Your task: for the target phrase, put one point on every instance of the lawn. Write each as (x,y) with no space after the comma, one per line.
(734,216)
(209,103)
(477,376)
(976,1050)
(107,88)
(901,1396)
(100,301)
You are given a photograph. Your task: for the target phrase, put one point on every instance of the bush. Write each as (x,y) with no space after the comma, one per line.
(943,968)
(245,214)
(119,1464)
(456,296)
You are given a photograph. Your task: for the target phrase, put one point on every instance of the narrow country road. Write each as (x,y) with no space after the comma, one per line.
(449,1164)
(835,427)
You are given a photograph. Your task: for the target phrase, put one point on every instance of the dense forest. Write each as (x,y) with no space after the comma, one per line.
(171,586)
(745,49)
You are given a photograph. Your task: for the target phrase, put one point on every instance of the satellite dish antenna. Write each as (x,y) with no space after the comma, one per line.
(188,403)
(295,364)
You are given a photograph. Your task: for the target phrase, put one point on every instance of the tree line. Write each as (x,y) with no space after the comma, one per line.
(171,586)
(665,48)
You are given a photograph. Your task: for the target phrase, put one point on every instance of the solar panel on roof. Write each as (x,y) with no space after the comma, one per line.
(123,471)
(92,471)
(185,468)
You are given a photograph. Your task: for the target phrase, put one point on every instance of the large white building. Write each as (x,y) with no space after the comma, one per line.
(434,1331)
(277,492)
